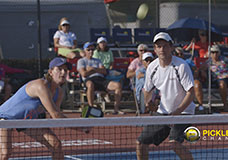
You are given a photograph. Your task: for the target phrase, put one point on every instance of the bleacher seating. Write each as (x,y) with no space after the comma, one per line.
(95,33)
(143,35)
(122,37)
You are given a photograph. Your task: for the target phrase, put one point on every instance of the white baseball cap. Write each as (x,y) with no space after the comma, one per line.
(146,55)
(162,35)
(100,39)
(215,48)
(65,22)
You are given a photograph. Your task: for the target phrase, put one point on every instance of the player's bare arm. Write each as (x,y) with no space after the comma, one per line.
(130,73)
(39,89)
(148,103)
(59,99)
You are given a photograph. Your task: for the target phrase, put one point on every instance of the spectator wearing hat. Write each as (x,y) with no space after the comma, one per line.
(140,78)
(103,53)
(219,70)
(93,74)
(66,41)
(172,76)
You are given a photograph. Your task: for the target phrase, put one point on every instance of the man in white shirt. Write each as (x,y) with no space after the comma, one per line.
(173,78)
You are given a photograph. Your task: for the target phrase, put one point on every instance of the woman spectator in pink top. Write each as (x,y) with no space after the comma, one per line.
(137,62)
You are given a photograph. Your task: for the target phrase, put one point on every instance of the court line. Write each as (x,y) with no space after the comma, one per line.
(73,157)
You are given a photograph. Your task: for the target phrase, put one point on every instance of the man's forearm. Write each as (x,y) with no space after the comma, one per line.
(147,98)
(186,102)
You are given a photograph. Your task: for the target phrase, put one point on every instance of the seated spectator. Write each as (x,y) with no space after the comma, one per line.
(5,86)
(219,69)
(93,71)
(103,53)
(198,88)
(66,41)
(137,62)
(140,79)
(200,46)
(179,52)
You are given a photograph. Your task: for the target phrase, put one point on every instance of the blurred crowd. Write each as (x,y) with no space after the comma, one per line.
(95,65)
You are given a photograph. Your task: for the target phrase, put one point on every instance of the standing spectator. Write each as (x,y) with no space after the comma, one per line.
(219,68)
(93,71)
(103,53)
(137,62)
(66,41)
(173,78)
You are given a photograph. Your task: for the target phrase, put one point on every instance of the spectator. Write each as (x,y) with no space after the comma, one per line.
(200,46)
(4,80)
(200,75)
(219,69)
(103,53)
(179,52)
(137,62)
(173,78)
(198,88)
(28,103)
(93,72)
(140,79)
(66,41)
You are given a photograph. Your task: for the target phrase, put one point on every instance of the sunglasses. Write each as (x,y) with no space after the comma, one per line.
(214,52)
(65,25)
(142,50)
(90,49)
(148,60)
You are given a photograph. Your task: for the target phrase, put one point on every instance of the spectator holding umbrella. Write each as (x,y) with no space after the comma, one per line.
(200,46)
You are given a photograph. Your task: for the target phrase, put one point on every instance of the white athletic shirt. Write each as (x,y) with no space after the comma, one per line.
(171,89)
(65,39)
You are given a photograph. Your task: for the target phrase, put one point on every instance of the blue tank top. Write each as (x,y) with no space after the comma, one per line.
(22,106)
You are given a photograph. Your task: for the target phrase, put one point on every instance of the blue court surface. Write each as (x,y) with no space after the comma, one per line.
(204,154)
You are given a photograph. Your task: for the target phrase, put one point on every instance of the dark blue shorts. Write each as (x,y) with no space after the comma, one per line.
(156,134)
(40,116)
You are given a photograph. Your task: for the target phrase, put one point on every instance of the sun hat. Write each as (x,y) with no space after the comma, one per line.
(146,55)
(101,39)
(65,22)
(215,48)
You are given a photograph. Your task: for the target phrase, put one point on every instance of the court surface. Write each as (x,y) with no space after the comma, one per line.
(204,154)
